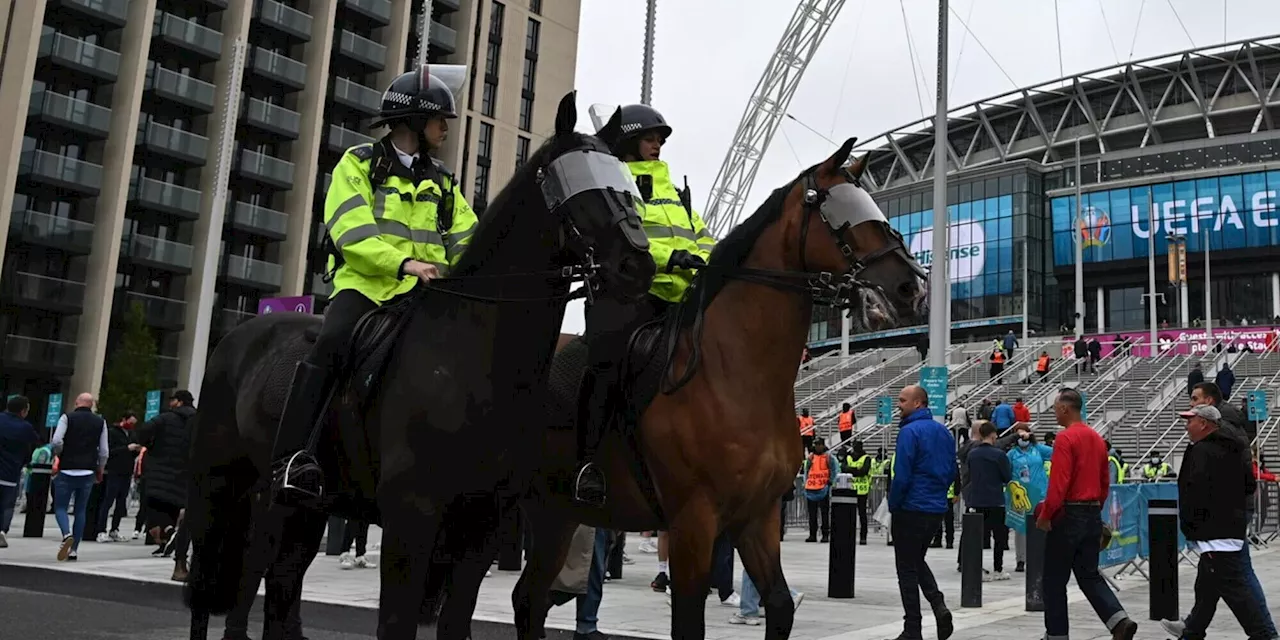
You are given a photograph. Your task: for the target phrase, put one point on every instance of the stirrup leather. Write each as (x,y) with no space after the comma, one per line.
(301,464)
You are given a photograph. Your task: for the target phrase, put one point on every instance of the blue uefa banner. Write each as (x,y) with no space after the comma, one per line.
(1123,512)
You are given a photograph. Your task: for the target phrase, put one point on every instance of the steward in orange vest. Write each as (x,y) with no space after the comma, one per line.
(846,421)
(806,429)
(820,470)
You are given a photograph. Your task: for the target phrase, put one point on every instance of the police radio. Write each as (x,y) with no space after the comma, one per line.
(645,184)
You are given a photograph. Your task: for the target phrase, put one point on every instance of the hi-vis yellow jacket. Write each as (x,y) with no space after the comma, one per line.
(377,229)
(670,228)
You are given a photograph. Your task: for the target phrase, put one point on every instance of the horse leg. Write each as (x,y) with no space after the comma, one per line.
(471,556)
(761,552)
(692,537)
(531,598)
(410,525)
(299,543)
(199,625)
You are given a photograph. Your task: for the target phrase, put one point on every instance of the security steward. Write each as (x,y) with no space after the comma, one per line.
(679,243)
(395,217)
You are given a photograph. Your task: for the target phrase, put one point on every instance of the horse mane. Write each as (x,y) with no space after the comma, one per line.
(514,197)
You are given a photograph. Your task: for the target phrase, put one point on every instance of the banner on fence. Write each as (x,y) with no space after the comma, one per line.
(1123,512)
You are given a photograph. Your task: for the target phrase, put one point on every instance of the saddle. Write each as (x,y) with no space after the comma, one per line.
(372,341)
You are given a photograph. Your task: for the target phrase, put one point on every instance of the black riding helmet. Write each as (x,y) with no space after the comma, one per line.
(416,93)
(635,121)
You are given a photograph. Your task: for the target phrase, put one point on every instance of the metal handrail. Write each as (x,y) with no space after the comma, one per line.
(824,417)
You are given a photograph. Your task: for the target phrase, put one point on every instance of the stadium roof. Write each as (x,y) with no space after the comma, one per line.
(1200,93)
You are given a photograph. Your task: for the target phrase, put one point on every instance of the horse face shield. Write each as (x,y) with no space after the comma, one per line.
(609,222)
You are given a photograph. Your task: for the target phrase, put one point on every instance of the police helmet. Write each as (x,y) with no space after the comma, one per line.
(634,121)
(416,93)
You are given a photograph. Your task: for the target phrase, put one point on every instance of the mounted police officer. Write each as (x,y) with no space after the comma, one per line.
(679,243)
(395,217)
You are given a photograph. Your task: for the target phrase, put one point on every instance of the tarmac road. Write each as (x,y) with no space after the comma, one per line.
(118,615)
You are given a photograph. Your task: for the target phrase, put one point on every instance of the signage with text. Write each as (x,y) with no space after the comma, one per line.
(980,237)
(298,304)
(153,405)
(54,412)
(884,410)
(934,381)
(1184,341)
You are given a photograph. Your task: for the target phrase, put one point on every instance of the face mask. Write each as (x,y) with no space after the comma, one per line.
(1024,443)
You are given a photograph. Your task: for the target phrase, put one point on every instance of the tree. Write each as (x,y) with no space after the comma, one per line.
(131,369)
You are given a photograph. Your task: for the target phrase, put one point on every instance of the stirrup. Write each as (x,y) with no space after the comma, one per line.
(299,477)
(591,475)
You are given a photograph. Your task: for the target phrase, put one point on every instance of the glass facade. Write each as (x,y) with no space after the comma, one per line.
(1233,212)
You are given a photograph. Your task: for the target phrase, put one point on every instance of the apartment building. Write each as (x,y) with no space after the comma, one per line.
(111,185)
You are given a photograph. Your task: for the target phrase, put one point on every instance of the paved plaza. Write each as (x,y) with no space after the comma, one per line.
(632,610)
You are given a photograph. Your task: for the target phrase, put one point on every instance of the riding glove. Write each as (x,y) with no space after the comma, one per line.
(684,260)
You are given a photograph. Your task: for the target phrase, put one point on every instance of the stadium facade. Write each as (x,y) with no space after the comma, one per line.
(107,179)
(1190,137)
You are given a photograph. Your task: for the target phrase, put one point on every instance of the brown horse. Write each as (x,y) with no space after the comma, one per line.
(720,450)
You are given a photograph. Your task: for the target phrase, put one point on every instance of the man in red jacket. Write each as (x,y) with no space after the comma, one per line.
(1072,515)
(1020,412)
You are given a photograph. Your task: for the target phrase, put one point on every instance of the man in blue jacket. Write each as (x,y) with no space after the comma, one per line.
(924,466)
(1003,416)
(17,439)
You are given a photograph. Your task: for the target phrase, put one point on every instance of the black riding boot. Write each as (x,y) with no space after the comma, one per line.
(296,476)
(589,488)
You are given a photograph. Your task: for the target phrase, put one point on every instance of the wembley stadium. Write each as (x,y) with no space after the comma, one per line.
(1189,139)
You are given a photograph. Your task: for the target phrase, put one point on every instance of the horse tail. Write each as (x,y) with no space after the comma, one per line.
(221,519)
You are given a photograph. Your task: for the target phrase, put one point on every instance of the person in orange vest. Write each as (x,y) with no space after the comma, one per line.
(806,429)
(819,473)
(997,365)
(1042,364)
(846,422)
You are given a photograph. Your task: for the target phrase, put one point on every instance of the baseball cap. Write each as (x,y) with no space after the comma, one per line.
(1203,411)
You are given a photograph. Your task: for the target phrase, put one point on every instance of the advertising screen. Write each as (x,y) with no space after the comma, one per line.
(981,241)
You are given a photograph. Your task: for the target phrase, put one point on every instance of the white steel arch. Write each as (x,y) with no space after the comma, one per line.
(769,102)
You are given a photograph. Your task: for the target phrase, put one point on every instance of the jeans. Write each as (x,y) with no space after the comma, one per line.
(912,531)
(750,605)
(1224,575)
(722,566)
(117,493)
(589,602)
(8,501)
(1072,547)
(67,487)
(1197,617)
(948,526)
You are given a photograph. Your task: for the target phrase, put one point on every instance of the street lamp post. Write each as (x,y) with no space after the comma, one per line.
(939,282)
(1079,230)
(1208,295)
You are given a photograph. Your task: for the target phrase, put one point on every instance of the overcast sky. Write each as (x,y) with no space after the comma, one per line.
(709,55)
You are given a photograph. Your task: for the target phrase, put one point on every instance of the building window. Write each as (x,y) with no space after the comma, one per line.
(532,36)
(526,113)
(488,97)
(535,6)
(482,188)
(526,93)
(495,21)
(522,150)
(484,146)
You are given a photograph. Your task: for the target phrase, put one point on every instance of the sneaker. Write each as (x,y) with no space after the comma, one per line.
(1124,630)
(72,556)
(995,576)
(660,583)
(648,545)
(750,621)
(103,537)
(1021,568)
(734,600)
(136,534)
(345,561)
(65,550)
(115,536)
(626,559)
(1174,628)
(362,562)
(4,541)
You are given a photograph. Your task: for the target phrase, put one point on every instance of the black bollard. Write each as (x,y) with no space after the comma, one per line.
(616,550)
(1162,562)
(1035,565)
(337,531)
(510,539)
(843,552)
(33,526)
(971,535)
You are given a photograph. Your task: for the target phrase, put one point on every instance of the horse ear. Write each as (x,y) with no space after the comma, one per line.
(859,166)
(567,113)
(838,158)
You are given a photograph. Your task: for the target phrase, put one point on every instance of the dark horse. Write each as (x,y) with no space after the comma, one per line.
(468,364)
(715,454)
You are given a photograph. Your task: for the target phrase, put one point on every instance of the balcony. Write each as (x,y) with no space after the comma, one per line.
(221,4)
(249,272)
(284,19)
(32,227)
(340,138)
(37,354)
(279,68)
(162,313)
(44,292)
(188,35)
(271,118)
(167,370)
(260,220)
(224,320)
(175,143)
(378,11)
(164,197)
(185,90)
(77,115)
(61,171)
(78,55)
(153,252)
(115,12)
(442,37)
(266,169)
(447,5)
(362,50)
(355,95)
